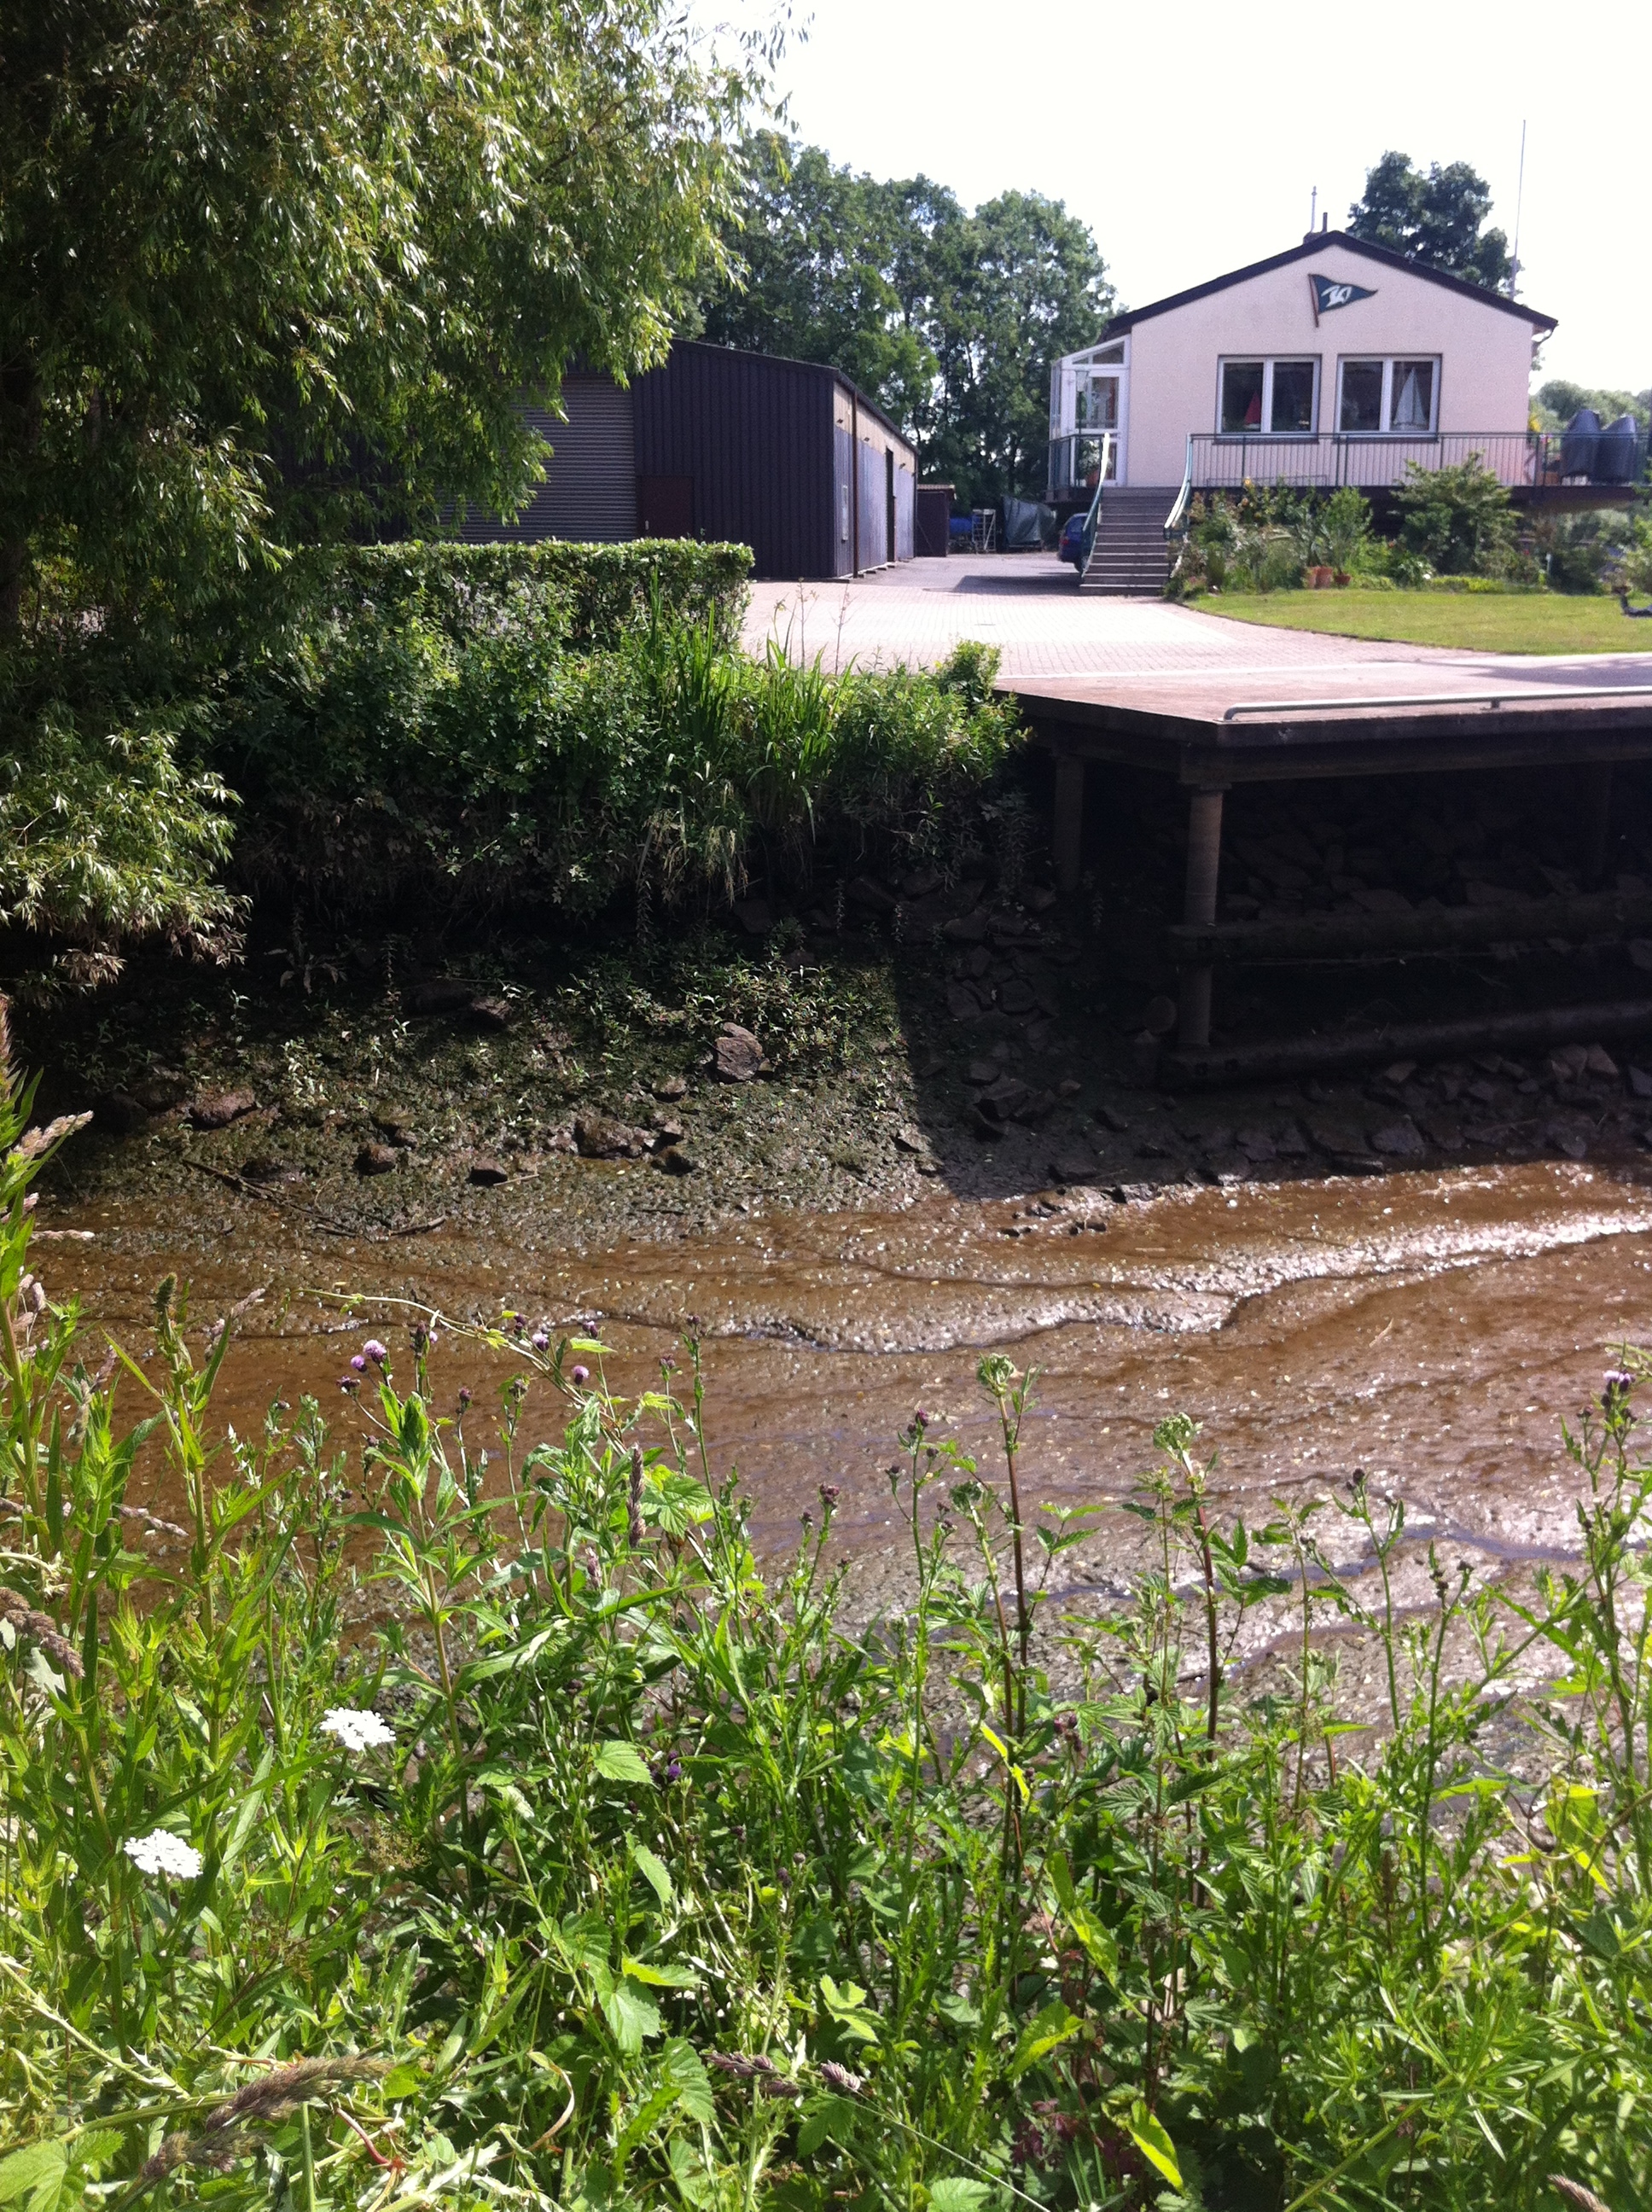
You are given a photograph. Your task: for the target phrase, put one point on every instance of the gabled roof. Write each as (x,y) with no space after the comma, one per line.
(867,406)
(1316,242)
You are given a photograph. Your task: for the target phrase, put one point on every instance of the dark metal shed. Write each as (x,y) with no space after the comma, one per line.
(788,457)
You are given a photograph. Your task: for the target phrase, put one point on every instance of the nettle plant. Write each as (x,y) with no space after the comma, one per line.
(431,1811)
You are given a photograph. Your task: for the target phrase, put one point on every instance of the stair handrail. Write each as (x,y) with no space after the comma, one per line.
(1093,520)
(1173,520)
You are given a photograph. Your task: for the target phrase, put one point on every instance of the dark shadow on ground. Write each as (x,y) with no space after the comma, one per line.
(1011,1092)
(1040,580)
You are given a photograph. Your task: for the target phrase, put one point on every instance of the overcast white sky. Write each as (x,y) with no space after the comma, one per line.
(1189,135)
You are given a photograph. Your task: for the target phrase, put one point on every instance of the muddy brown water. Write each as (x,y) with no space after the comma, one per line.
(1433,1328)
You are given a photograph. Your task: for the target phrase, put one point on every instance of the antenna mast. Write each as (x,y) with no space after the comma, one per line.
(1312,210)
(1520,196)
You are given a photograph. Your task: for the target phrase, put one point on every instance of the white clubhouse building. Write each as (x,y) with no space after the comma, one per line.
(1336,363)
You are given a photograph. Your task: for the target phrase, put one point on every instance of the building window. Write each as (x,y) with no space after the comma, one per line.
(1272,399)
(1098,404)
(1397,398)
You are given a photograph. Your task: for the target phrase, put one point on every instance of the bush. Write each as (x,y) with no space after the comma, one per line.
(589,1865)
(108,834)
(587,595)
(1582,552)
(431,748)
(1459,519)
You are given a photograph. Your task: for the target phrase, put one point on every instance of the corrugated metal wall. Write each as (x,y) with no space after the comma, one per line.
(843,500)
(590,491)
(755,435)
(904,487)
(874,508)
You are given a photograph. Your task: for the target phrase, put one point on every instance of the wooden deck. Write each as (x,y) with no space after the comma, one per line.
(1210,731)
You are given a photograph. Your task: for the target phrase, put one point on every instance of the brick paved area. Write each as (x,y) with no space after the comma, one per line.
(1028,606)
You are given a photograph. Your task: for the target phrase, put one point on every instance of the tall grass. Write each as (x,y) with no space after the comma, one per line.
(396,1822)
(390,756)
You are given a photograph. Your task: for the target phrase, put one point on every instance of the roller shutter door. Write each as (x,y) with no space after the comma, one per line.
(590,491)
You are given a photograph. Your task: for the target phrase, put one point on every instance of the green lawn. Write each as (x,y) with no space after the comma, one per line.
(1481,622)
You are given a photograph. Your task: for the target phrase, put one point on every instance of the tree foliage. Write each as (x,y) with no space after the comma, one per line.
(271,272)
(1435,217)
(1559,400)
(950,319)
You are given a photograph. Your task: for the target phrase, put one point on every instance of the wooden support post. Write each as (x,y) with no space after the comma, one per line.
(1067,839)
(1198,911)
(1597,819)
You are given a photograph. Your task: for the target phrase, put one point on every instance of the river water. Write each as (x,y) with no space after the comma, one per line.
(1432,1327)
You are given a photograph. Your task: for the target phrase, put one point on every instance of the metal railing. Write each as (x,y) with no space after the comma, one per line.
(1174,519)
(1322,460)
(1093,520)
(1075,455)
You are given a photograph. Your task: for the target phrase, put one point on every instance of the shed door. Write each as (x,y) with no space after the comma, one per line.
(666,506)
(590,490)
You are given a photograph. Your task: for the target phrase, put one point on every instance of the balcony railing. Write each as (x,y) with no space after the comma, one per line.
(1524,460)
(1079,461)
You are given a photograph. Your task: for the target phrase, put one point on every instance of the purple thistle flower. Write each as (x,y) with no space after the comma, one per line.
(541,1339)
(582,1374)
(464,1396)
(829,1494)
(349,1383)
(921,1419)
(358,1363)
(375,1352)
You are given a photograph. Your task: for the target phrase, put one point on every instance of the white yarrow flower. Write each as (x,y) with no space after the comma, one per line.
(358,1731)
(161,1852)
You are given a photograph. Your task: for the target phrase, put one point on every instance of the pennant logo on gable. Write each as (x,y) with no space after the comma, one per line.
(1329,293)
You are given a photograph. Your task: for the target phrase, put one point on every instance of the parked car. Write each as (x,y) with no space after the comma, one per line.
(1070,544)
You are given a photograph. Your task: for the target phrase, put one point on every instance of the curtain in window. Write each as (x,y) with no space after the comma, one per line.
(1413,395)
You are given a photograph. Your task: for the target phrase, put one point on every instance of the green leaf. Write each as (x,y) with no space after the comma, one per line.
(952,2193)
(96,2149)
(1053,2025)
(618,1761)
(662,1977)
(36,2173)
(632,2016)
(826,2119)
(1094,1935)
(682,2068)
(1148,2135)
(652,1871)
(1598,1934)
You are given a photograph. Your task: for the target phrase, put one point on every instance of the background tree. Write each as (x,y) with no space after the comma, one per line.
(829,272)
(949,320)
(1436,217)
(1559,400)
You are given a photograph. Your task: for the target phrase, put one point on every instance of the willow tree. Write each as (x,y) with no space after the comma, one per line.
(277,270)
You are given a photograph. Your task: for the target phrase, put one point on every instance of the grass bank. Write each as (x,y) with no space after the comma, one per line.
(443,1809)
(1474,622)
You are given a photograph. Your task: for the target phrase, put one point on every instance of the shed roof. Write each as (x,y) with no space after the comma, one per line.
(1315,242)
(817,368)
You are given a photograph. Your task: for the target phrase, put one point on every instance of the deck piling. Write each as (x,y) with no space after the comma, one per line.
(1199,910)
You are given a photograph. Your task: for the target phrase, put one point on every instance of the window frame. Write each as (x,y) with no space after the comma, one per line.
(1389,362)
(1267,362)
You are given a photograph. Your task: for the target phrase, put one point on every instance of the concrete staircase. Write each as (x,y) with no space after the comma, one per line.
(1129,556)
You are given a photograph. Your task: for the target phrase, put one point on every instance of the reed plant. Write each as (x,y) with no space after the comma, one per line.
(446,1807)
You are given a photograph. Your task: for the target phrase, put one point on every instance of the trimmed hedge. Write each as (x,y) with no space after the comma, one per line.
(584,595)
